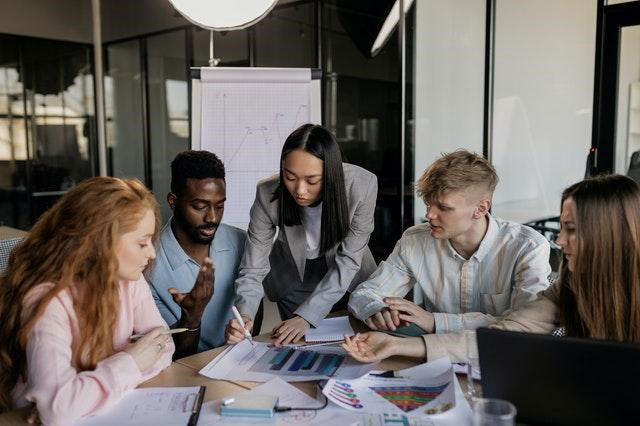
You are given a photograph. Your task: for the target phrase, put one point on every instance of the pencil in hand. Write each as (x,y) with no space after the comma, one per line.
(168,331)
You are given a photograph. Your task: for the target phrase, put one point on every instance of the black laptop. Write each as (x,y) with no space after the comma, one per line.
(561,380)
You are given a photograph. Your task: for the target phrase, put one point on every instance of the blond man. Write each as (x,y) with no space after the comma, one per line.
(470,268)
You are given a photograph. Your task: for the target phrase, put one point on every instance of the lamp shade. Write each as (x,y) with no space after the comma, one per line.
(223,15)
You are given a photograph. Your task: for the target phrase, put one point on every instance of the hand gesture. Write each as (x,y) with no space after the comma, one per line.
(290,331)
(194,302)
(411,313)
(234,332)
(386,319)
(371,347)
(147,350)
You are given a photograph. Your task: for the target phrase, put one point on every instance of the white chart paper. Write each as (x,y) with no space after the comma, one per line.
(261,362)
(149,406)
(330,329)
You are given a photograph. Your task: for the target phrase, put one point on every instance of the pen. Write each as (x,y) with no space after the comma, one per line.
(239,319)
(171,331)
(197,405)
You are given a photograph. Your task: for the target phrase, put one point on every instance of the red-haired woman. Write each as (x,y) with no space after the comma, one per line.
(73,295)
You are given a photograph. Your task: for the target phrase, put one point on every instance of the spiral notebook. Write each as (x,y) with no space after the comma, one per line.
(330,330)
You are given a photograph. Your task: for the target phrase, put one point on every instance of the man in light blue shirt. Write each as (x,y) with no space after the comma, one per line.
(469,267)
(191,241)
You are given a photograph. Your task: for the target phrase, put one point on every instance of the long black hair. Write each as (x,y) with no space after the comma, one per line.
(319,142)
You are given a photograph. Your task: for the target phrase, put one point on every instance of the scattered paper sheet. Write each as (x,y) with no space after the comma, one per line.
(462,369)
(425,389)
(332,414)
(290,396)
(149,406)
(330,330)
(261,362)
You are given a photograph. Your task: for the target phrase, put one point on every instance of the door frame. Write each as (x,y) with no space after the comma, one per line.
(610,21)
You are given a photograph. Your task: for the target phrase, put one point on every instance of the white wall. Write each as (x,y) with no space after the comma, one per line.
(68,20)
(449,80)
(543,97)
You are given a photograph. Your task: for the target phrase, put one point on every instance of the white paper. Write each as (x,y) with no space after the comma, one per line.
(246,115)
(330,329)
(149,406)
(261,362)
(425,389)
(462,369)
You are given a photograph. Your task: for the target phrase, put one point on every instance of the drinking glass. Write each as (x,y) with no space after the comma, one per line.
(473,361)
(493,412)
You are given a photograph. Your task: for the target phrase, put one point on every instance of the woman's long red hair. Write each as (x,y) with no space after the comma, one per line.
(72,246)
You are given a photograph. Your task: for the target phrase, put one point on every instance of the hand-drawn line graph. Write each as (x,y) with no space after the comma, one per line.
(246,124)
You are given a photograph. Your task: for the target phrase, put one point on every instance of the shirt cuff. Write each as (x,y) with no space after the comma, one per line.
(308,314)
(447,323)
(363,313)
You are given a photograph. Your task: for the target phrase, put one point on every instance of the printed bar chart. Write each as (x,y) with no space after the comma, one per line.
(289,361)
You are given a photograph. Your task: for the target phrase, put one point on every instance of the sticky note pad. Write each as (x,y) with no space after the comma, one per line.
(250,406)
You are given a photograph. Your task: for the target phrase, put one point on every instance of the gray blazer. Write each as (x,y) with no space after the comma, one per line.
(349,263)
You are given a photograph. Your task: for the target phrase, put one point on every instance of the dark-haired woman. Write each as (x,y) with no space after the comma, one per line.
(322,212)
(596,295)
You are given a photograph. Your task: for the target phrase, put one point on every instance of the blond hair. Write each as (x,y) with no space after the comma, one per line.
(72,243)
(456,171)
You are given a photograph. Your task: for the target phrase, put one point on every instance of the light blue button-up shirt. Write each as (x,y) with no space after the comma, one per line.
(174,268)
(509,268)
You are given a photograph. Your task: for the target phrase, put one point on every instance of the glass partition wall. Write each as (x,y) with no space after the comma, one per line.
(47,124)
(148,95)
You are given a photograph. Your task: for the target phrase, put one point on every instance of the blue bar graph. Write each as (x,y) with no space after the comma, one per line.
(300,361)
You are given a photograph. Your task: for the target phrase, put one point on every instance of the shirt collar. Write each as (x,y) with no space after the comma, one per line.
(487,243)
(176,256)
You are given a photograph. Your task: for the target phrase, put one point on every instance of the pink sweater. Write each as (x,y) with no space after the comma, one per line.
(62,393)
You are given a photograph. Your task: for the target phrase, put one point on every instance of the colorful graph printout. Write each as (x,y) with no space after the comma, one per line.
(423,390)
(408,398)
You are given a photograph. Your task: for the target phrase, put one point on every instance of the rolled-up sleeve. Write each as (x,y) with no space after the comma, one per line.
(394,277)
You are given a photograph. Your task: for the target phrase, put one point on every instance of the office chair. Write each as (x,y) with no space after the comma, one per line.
(634,167)
(6,247)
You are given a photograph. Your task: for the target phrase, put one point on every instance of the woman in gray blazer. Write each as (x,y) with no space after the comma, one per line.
(307,238)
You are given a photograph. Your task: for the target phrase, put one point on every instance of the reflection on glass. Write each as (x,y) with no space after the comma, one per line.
(232,48)
(290,25)
(168,108)
(628,108)
(46,124)
(123,110)
(362,107)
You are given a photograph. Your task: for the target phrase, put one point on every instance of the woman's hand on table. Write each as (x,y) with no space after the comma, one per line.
(234,333)
(375,346)
(290,331)
(371,347)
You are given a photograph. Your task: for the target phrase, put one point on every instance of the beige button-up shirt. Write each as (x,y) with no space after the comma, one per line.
(509,268)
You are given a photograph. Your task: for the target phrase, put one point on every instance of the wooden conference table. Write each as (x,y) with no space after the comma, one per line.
(184,372)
